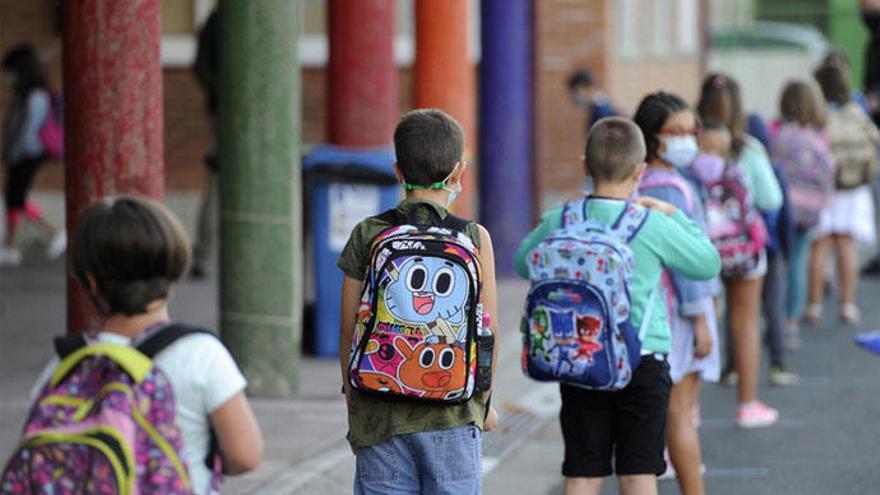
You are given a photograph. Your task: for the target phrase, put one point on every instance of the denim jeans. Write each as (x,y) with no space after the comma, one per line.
(433,462)
(771,305)
(796,289)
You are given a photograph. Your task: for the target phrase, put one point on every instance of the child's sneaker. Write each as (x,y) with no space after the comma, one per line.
(57,245)
(850,314)
(10,256)
(756,414)
(782,378)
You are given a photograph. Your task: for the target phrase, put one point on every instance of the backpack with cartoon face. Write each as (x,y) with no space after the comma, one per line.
(806,162)
(577,327)
(733,224)
(420,311)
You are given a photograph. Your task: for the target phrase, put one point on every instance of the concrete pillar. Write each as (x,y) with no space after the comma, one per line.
(261,231)
(445,79)
(506,125)
(113,114)
(362,95)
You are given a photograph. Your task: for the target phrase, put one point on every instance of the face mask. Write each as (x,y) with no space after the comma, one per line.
(680,151)
(707,168)
(453,191)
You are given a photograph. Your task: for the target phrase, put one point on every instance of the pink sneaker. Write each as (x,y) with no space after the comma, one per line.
(756,414)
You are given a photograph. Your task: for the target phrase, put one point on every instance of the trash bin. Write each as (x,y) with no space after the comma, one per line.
(343,187)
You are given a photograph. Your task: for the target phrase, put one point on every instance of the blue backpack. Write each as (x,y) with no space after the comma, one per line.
(576,327)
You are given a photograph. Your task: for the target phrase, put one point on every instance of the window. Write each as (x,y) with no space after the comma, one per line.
(627,28)
(687,32)
(180,22)
(663,27)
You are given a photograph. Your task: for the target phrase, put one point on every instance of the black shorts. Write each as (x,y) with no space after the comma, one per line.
(629,424)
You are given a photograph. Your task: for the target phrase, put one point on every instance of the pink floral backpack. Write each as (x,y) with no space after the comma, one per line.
(102,424)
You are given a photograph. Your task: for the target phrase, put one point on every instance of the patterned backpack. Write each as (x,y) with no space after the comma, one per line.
(104,424)
(416,329)
(806,162)
(576,327)
(733,223)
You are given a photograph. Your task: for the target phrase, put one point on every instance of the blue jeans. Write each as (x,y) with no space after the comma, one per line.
(435,462)
(796,292)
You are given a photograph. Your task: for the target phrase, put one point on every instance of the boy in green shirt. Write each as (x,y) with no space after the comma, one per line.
(396,442)
(631,423)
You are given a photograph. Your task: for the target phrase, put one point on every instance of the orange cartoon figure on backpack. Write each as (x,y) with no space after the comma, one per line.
(437,370)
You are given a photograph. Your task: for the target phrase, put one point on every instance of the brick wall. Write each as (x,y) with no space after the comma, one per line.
(574,34)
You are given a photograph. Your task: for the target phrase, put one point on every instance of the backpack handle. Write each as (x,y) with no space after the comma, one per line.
(132,361)
(396,217)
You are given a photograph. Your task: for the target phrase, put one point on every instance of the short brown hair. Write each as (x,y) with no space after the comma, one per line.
(428,144)
(615,147)
(799,103)
(834,85)
(135,249)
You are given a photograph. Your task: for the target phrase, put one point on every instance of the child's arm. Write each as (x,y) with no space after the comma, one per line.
(351,292)
(679,242)
(702,336)
(241,443)
(760,179)
(550,221)
(490,304)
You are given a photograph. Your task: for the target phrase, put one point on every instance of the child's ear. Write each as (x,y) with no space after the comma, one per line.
(397,173)
(458,172)
(640,171)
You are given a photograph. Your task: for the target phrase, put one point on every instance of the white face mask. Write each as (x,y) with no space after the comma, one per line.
(454,190)
(680,150)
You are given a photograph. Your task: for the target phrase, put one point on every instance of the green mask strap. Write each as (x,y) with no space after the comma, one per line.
(414,187)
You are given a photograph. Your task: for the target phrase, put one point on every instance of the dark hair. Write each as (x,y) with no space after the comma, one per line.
(720,101)
(834,85)
(580,77)
(836,58)
(615,147)
(653,112)
(428,143)
(800,104)
(22,60)
(133,247)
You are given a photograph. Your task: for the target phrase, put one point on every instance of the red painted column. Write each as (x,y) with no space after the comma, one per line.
(362,99)
(445,77)
(113,113)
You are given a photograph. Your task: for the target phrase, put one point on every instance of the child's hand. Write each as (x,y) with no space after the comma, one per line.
(656,204)
(491,421)
(702,337)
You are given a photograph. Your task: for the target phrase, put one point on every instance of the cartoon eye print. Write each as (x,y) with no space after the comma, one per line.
(427,289)
(444,282)
(447,358)
(426,358)
(416,278)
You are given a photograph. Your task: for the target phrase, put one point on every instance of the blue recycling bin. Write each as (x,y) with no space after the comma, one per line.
(343,186)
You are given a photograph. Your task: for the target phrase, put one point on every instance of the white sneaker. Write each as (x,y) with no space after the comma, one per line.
(10,256)
(57,245)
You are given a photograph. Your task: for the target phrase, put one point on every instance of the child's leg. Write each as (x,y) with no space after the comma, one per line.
(796,293)
(682,438)
(388,467)
(818,256)
(449,461)
(744,301)
(639,484)
(847,267)
(582,486)
(771,303)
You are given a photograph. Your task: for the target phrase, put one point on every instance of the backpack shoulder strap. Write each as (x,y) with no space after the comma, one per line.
(670,180)
(574,211)
(392,217)
(159,341)
(455,223)
(630,221)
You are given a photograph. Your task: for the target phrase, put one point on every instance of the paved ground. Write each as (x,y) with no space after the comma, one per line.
(826,442)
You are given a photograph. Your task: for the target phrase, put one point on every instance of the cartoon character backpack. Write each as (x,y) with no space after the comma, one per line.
(576,327)
(103,424)
(417,325)
(733,223)
(806,162)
